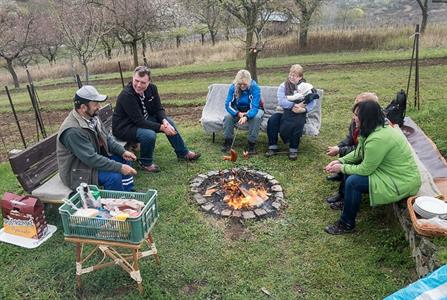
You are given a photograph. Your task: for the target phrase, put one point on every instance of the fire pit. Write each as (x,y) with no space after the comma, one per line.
(238,193)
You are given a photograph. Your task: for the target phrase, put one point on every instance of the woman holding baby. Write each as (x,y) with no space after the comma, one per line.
(296,97)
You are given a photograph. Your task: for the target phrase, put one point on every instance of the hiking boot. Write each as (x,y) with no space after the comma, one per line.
(335,177)
(191,156)
(270,152)
(293,155)
(334,198)
(339,228)
(251,148)
(153,168)
(337,205)
(227,145)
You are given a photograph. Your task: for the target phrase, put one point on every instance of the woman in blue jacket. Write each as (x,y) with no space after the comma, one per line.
(243,105)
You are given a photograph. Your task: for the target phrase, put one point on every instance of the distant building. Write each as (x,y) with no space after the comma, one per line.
(279,23)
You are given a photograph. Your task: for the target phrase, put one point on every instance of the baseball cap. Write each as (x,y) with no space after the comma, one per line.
(88,93)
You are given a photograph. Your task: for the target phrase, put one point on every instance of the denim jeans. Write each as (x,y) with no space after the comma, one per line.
(254,125)
(146,138)
(355,185)
(116,181)
(289,125)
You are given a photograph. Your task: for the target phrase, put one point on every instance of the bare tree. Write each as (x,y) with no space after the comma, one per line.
(178,19)
(15,28)
(82,26)
(207,12)
(304,10)
(46,38)
(424,5)
(131,20)
(253,15)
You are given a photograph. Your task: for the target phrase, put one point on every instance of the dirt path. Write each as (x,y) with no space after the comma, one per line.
(231,72)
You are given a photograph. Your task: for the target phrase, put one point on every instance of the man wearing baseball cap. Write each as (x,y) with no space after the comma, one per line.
(86,152)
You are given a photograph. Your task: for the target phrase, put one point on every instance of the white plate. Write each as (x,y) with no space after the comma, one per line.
(26,242)
(431,205)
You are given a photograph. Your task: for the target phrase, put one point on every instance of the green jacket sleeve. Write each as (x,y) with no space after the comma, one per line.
(374,153)
(352,157)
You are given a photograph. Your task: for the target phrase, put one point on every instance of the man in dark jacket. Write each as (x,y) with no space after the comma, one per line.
(139,116)
(346,146)
(85,150)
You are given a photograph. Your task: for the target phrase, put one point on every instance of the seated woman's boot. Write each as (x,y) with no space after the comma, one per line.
(251,148)
(226,145)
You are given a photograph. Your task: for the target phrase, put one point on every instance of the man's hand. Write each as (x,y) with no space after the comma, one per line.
(243,120)
(127,155)
(333,150)
(128,170)
(167,128)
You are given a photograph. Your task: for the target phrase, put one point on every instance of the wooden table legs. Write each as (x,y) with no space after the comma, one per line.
(128,261)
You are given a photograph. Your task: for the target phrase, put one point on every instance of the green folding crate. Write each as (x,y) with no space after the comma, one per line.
(132,230)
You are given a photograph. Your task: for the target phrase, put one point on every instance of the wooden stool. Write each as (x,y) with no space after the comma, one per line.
(129,262)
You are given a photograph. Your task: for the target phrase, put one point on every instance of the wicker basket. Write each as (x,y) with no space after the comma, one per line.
(423,229)
(132,230)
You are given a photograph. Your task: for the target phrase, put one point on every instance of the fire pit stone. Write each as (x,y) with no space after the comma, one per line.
(238,193)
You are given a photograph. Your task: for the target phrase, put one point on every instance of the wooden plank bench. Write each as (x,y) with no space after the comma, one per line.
(214,111)
(36,167)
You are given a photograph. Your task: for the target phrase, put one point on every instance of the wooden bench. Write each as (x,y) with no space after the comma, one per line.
(214,111)
(36,167)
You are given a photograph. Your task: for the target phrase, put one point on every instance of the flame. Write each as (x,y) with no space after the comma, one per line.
(238,197)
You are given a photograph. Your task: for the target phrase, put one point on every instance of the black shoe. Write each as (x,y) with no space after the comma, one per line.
(334,198)
(227,145)
(337,205)
(251,148)
(335,177)
(293,155)
(339,228)
(270,152)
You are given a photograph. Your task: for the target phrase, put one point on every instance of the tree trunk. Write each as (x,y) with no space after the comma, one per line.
(86,71)
(13,73)
(424,19)
(251,55)
(177,41)
(144,45)
(213,37)
(303,36)
(202,38)
(135,53)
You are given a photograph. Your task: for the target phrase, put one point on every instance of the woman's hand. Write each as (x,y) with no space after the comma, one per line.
(242,120)
(127,155)
(333,167)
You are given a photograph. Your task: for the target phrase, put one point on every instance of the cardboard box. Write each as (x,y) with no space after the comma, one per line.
(23,216)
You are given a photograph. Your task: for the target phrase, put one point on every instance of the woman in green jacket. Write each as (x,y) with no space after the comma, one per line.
(382,165)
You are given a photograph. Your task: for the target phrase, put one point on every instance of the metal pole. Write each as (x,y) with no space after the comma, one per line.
(38,121)
(78,81)
(37,103)
(412,59)
(15,116)
(121,74)
(416,71)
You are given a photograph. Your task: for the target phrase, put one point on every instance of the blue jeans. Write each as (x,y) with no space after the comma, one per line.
(254,125)
(116,181)
(355,185)
(289,125)
(146,138)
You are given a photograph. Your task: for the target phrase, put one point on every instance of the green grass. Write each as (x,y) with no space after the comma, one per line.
(290,256)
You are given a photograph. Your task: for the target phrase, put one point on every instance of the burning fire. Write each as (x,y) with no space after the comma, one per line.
(240,194)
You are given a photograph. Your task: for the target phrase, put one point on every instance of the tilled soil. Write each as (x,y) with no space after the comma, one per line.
(285,68)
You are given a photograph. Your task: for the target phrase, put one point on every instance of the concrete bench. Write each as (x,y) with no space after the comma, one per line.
(214,111)
(36,167)
(433,169)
